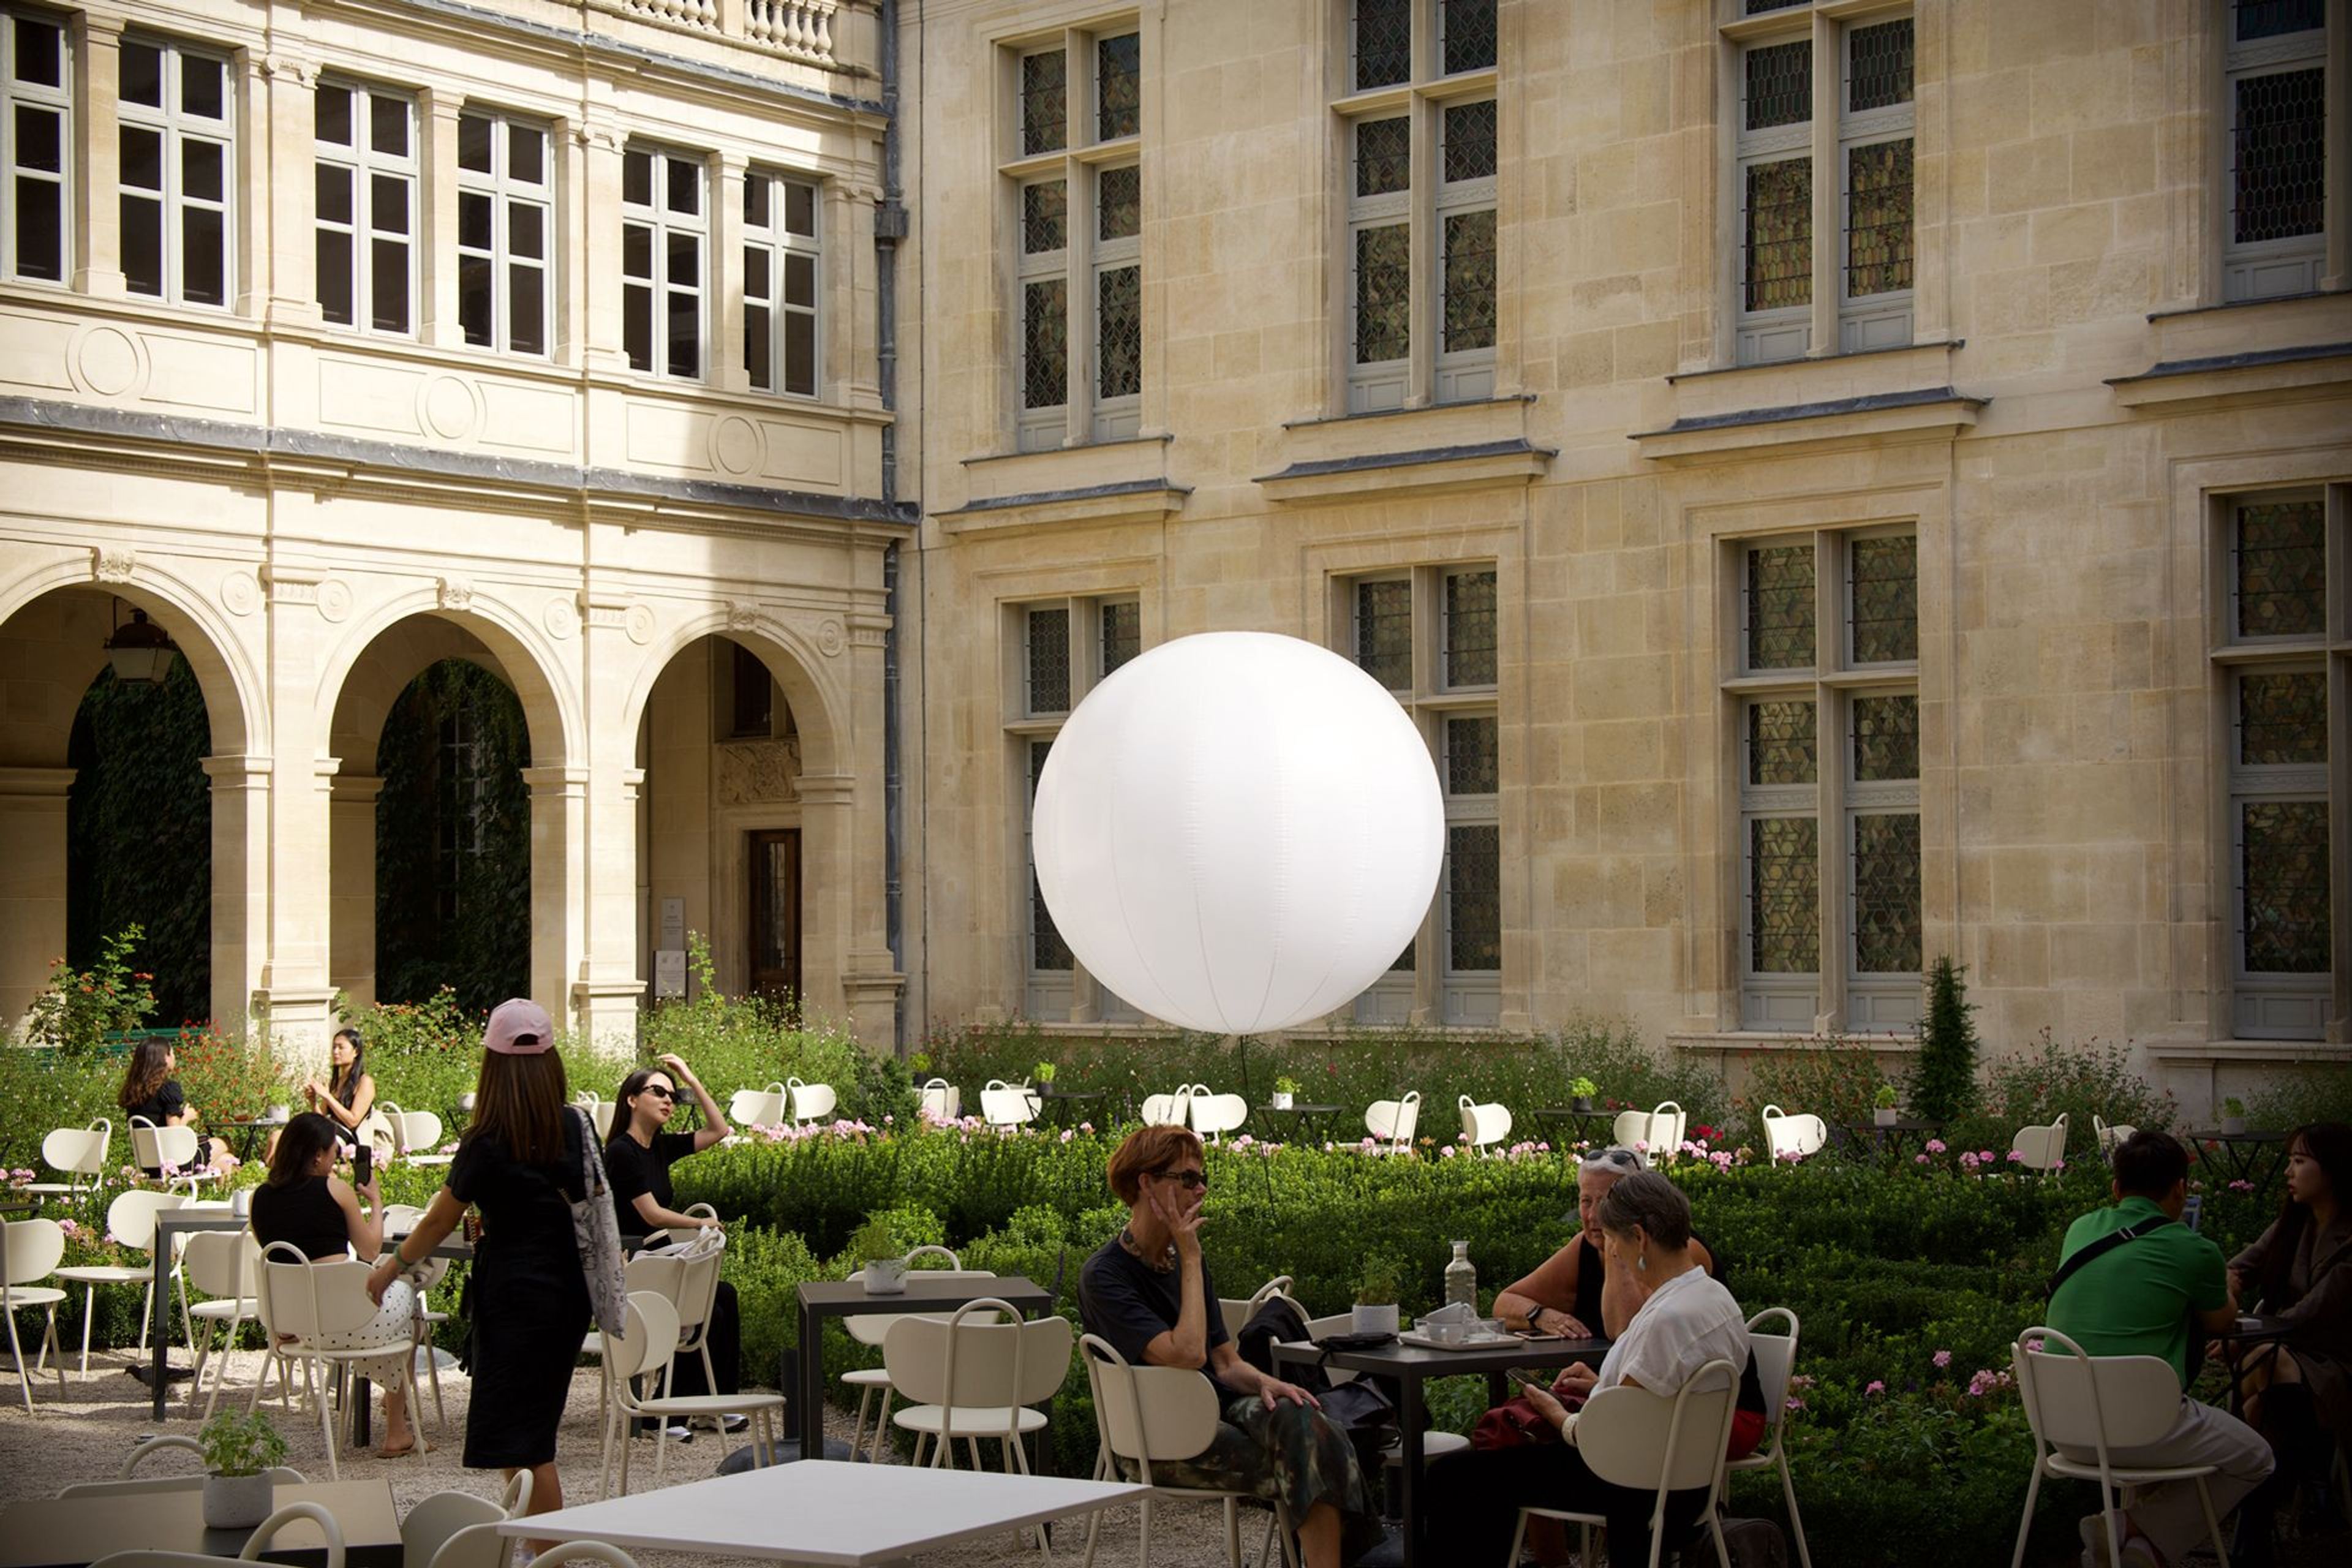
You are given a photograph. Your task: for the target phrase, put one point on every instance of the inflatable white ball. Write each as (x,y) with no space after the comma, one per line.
(1238,832)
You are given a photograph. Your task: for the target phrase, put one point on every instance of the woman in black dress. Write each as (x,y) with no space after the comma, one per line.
(638,1159)
(149,1090)
(520,1165)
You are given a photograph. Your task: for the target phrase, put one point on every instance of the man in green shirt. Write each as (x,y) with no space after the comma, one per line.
(2144,1295)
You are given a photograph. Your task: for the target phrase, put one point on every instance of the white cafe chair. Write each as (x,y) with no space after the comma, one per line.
(219,1264)
(646,1349)
(1393,1121)
(415,1135)
(1237,1312)
(973,1374)
(2109,1133)
(154,1148)
(1214,1115)
(811,1102)
(399,1219)
(128,1482)
(30,1251)
(131,1221)
(78,1155)
(2040,1148)
(1653,1442)
(1170,1110)
(940,1100)
(768,1107)
(1003,1104)
(460,1530)
(2082,1409)
(262,1535)
(1483,1125)
(1799,1134)
(301,1303)
(1165,1415)
(873,1329)
(1775,1360)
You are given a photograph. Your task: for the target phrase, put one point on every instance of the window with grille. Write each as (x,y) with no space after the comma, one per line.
(506,227)
(177,148)
(2278,660)
(1827,764)
(366,181)
(665,234)
(781,252)
(2274,238)
(36,136)
(1077,345)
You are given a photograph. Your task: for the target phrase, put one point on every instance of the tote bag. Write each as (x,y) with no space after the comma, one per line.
(597,1230)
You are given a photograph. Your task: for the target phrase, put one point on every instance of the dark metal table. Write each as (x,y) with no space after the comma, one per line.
(245,1133)
(823,1298)
(1575,1120)
(1407,1367)
(1313,1119)
(2252,1333)
(1889,1139)
(1059,1105)
(71,1533)
(2242,1153)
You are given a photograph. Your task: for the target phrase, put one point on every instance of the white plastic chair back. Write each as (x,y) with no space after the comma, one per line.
(130,1218)
(416,1132)
(690,1284)
(811,1102)
(941,1101)
(2109,1133)
(472,1546)
(1776,1362)
(1654,1442)
(309,1300)
(1238,1313)
(153,1147)
(1148,1413)
(873,1328)
(646,1346)
(1003,1104)
(1668,1127)
(1483,1124)
(2040,1148)
(220,1263)
(2093,1403)
(1169,1110)
(436,1519)
(1800,1134)
(968,1360)
(1213,1115)
(78,1153)
(262,1535)
(600,1111)
(31,1251)
(1393,1121)
(585,1552)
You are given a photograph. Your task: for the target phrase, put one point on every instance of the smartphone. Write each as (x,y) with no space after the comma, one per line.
(1532,1377)
(363,1163)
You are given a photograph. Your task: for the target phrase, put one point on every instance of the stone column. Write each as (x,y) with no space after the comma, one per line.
(595,317)
(870,981)
(241,790)
(559,821)
(98,165)
(350,897)
(288,272)
(728,371)
(437,114)
(32,885)
(606,995)
(828,830)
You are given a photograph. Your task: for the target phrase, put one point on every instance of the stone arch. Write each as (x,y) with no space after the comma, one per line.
(790,657)
(531,662)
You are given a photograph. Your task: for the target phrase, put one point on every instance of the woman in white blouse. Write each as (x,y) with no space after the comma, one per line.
(1687,1321)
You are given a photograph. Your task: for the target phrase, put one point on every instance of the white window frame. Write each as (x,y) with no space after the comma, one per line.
(366,165)
(505,192)
(2269,269)
(175,128)
(661,222)
(775,244)
(17,94)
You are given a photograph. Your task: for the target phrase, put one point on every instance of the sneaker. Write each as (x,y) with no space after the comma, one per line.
(734,1423)
(2138,1552)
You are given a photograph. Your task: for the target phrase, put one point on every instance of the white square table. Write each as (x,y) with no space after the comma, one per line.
(824,1512)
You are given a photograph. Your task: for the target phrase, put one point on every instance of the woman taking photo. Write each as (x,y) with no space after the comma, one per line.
(305,1205)
(637,1161)
(150,1091)
(520,1165)
(347,1095)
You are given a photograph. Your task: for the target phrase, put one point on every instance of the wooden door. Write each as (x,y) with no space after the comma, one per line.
(775,929)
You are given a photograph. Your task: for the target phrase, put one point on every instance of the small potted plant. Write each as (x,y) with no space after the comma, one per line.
(1045,1074)
(2233,1116)
(1581,1091)
(881,1254)
(1884,1114)
(919,1064)
(1286,1091)
(239,1449)
(1377,1290)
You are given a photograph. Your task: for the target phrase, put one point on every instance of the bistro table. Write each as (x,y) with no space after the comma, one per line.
(824,1512)
(73,1531)
(925,1292)
(2249,1332)
(1060,1105)
(1574,1121)
(246,1130)
(2242,1153)
(1306,1119)
(1408,1366)
(1888,1138)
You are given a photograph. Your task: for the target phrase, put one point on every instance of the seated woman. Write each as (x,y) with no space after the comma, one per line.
(637,1159)
(1148,1293)
(1687,1320)
(305,1205)
(1574,1293)
(347,1095)
(149,1090)
(2301,1268)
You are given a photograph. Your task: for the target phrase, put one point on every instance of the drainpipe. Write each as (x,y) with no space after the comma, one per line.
(889,228)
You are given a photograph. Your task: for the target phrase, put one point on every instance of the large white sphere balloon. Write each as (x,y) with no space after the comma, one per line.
(1238,832)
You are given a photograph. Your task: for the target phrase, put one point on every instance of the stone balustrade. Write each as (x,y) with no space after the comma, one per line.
(800,30)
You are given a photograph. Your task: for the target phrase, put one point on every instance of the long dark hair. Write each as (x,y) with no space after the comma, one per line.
(300,1144)
(348,1085)
(2330,1144)
(520,1102)
(633,1086)
(146,1074)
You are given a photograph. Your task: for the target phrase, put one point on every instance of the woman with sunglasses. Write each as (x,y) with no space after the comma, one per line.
(637,1159)
(1574,1293)
(1149,1295)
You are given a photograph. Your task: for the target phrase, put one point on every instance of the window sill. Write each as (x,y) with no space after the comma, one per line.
(1770,1043)
(2247,1052)
(1812,404)
(1102,483)
(1450,446)
(2243,349)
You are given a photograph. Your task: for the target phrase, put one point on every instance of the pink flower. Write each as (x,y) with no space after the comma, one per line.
(1942,1358)
(69,1227)
(1067,1134)
(1918,1159)
(1984,1153)
(2242,1186)
(1935,1145)
(1874,1388)
(1793,1403)
(2015,1157)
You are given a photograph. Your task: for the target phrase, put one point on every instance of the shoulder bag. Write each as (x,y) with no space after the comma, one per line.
(597,1230)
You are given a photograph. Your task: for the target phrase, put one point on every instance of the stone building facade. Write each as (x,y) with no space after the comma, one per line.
(1837,482)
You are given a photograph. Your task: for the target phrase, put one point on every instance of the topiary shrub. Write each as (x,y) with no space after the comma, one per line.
(1945,1087)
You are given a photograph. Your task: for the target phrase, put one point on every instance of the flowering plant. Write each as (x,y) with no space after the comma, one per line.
(81,1007)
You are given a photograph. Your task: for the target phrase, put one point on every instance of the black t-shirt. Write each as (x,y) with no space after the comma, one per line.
(526,1208)
(1127,1302)
(634,1170)
(305,1215)
(168,1101)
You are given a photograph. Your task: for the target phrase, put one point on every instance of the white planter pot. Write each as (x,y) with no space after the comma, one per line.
(1376,1319)
(1884,1117)
(2233,1125)
(885,1276)
(1281,1100)
(238,1503)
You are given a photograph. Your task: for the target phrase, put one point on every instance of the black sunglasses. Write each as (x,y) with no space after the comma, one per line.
(657,1088)
(1190,1181)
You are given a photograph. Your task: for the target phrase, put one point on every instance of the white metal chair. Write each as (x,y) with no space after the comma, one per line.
(1776,1359)
(2093,1405)
(940,1100)
(644,1350)
(172,1150)
(131,1221)
(460,1530)
(1393,1121)
(689,1282)
(1656,1132)
(1165,1415)
(30,1251)
(78,1155)
(600,1111)
(1799,1134)
(872,1329)
(2040,1148)
(585,1552)
(974,1377)
(1237,1312)
(1483,1125)
(1665,1443)
(301,1302)
(128,1482)
(219,1264)
(768,1107)
(415,1135)
(1169,1110)
(1003,1104)
(2108,1133)
(811,1102)
(1214,1115)
(262,1535)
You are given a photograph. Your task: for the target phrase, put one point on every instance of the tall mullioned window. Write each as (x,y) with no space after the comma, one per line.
(367,207)
(35,138)
(1428,335)
(1826,709)
(1074,169)
(1792,285)
(1428,634)
(665,261)
(177,148)
(2274,238)
(781,256)
(506,224)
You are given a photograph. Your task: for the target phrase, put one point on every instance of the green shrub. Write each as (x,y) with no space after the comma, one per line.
(81,1007)
(1945,1087)
(1835,1079)
(2033,1087)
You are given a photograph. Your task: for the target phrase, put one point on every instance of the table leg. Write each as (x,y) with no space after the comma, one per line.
(362,1431)
(811,1393)
(1409,1414)
(159,1316)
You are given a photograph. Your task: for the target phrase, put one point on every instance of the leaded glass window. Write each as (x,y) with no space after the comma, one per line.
(1044,102)
(2278,166)
(1118,90)
(1779,234)
(1383,293)
(1383,156)
(1883,598)
(2281,568)
(1119,203)
(1471,763)
(1878,219)
(1470,628)
(1045,342)
(1885,737)
(1046,658)
(1468,27)
(1122,632)
(1047,951)
(1878,66)
(1468,140)
(1474,897)
(1469,284)
(1385,631)
(1784,895)
(1779,598)
(2283,883)
(1044,217)
(1383,43)
(1119,320)
(1779,85)
(2282,718)
(1887,907)
(1782,744)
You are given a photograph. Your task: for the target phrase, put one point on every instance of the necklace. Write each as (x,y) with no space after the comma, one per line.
(1164,1264)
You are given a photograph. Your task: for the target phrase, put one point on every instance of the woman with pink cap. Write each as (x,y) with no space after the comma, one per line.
(520,1165)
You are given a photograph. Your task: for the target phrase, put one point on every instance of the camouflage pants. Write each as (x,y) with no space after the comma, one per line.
(1291,1454)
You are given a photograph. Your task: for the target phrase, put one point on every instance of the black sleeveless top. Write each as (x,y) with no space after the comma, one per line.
(304,1214)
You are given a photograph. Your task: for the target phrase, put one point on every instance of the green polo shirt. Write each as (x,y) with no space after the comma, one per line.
(2136,1300)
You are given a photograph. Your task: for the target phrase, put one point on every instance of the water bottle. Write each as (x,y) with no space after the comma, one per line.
(1461,1278)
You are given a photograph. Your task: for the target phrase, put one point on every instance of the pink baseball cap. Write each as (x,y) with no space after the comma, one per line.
(518,1028)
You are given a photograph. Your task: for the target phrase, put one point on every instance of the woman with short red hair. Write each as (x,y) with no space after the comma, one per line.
(1148,1293)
